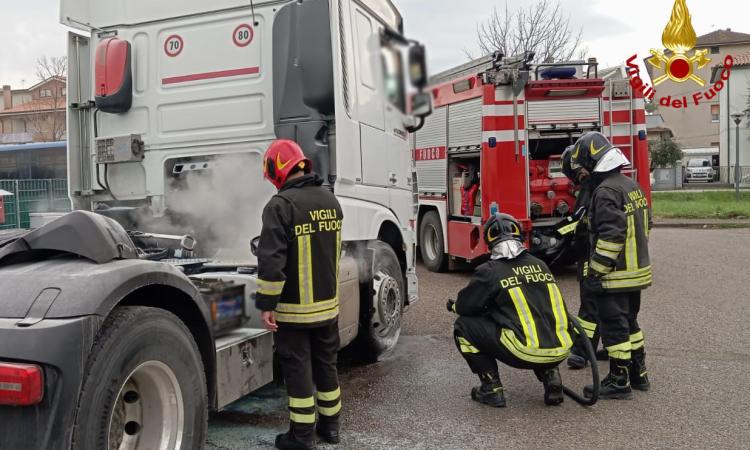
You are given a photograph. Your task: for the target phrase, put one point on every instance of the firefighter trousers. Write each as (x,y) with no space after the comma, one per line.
(620,332)
(478,340)
(308,363)
(588,317)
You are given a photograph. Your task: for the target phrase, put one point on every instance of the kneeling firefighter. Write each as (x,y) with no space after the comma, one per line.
(512,311)
(619,267)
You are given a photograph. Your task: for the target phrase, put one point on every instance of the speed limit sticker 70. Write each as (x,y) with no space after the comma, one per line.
(243,35)
(173,45)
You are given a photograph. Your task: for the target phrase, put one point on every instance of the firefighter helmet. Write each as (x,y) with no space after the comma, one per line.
(502,227)
(567,169)
(589,150)
(281,159)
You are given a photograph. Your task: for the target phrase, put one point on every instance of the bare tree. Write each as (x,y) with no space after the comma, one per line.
(542,28)
(47,118)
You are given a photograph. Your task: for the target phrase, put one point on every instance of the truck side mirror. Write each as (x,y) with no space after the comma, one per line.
(421,105)
(418,66)
(254,245)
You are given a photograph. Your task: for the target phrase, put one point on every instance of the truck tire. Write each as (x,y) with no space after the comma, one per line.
(432,243)
(383,302)
(145,385)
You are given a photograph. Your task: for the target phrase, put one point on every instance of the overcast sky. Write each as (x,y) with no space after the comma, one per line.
(612,30)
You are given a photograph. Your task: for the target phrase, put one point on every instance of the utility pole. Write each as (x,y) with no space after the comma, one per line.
(737,120)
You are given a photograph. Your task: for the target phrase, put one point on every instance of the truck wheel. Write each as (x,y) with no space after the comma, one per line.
(384,305)
(145,386)
(431,243)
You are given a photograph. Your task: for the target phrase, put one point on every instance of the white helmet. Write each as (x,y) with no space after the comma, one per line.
(611,160)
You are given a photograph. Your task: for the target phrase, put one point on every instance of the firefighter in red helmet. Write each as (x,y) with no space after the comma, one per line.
(298,260)
(512,311)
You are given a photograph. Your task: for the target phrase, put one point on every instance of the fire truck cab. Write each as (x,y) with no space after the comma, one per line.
(494,143)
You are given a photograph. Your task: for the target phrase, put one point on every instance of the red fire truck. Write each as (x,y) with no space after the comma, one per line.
(494,143)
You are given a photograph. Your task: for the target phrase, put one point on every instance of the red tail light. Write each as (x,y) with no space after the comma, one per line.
(21,384)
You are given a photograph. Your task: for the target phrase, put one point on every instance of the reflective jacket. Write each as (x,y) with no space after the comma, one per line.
(522,296)
(620,219)
(298,254)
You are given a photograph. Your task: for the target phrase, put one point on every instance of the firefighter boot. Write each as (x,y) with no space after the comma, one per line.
(328,430)
(576,360)
(553,390)
(638,372)
(288,441)
(491,391)
(616,385)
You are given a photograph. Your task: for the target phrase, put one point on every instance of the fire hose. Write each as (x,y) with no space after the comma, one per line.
(590,357)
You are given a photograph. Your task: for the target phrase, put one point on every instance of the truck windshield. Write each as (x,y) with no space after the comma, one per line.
(394,81)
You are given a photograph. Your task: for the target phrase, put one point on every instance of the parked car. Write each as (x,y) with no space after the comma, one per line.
(699,169)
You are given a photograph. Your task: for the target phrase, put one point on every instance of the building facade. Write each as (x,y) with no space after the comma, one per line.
(700,126)
(36,114)
(735,99)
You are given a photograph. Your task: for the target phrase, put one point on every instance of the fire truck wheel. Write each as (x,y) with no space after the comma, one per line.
(145,386)
(385,304)
(432,244)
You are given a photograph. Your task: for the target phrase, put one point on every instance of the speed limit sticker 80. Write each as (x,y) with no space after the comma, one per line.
(173,45)
(243,35)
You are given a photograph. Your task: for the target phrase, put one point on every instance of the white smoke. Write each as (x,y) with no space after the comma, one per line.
(223,205)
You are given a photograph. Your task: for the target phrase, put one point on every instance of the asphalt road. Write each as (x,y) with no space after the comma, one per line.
(695,318)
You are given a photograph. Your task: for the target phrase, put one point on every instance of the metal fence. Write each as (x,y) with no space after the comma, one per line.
(744,175)
(31,196)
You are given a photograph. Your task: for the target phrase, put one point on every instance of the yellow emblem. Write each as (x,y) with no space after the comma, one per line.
(595,151)
(679,37)
(279,164)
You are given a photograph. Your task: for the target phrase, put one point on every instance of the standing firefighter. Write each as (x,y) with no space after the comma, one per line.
(298,260)
(577,227)
(619,266)
(512,311)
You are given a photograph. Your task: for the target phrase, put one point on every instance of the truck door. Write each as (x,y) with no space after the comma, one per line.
(384,145)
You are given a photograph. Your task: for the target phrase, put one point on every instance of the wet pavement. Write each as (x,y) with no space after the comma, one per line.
(698,345)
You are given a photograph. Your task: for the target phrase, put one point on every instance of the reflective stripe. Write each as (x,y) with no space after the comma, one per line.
(608,253)
(332,411)
(636,340)
(599,267)
(631,251)
(465,346)
(307,402)
(561,316)
(524,314)
(629,283)
(302,418)
(588,327)
(307,318)
(533,355)
(606,245)
(645,222)
(329,396)
(585,268)
(567,229)
(338,259)
(628,274)
(270,287)
(620,351)
(308,308)
(304,253)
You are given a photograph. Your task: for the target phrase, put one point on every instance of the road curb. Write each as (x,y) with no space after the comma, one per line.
(702,225)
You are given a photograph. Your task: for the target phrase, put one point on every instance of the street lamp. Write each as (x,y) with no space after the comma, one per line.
(737,120)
